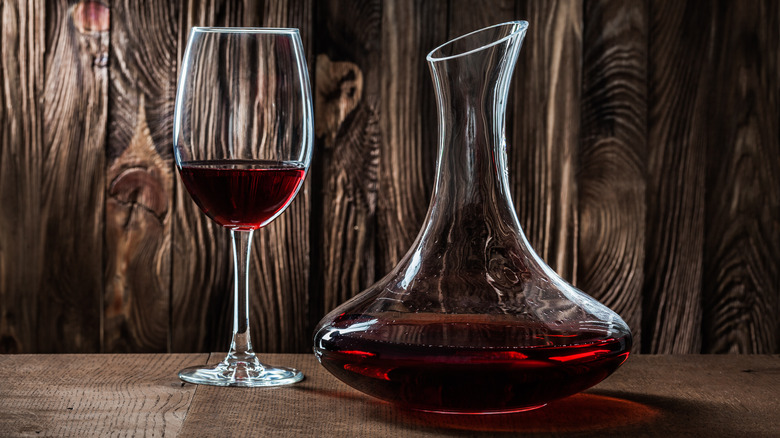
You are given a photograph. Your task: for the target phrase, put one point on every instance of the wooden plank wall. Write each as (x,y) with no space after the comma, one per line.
(644,147)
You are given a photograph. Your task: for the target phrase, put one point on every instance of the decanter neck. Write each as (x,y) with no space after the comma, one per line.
(471,78)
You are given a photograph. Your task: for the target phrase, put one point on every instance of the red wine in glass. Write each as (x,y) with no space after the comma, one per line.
(242,194)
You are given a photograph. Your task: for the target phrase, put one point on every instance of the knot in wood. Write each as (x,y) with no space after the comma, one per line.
(338,91)
(91,17)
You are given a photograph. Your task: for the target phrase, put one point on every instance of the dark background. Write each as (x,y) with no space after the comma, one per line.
(644,156)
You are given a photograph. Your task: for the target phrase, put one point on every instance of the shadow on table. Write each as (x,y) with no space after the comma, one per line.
(590,414)
(593,413)
(578,413)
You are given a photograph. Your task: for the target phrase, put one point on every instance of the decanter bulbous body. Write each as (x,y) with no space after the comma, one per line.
(471,320)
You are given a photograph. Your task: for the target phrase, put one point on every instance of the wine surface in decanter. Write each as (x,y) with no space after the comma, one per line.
(428,366)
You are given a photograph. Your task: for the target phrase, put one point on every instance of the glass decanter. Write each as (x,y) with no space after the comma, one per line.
(471,320)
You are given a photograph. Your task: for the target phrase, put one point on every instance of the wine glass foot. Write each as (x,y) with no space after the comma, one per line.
(246,374)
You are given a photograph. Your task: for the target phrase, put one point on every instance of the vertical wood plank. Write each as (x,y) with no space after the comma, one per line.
(466,16)
(742,238)
(678,83)
(347,124)
(543,151)
(610,180)
(202,276)
(22,244)
(280,261)
(410,29)
(139,182)
(75,119)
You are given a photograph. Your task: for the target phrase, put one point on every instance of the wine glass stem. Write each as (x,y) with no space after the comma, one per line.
(241,346)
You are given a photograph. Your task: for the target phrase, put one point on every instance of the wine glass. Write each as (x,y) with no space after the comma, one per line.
(242,139)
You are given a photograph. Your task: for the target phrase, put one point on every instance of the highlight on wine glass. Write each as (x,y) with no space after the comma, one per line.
(242,140)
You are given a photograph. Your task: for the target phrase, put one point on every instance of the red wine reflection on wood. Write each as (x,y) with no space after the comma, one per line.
(242,194)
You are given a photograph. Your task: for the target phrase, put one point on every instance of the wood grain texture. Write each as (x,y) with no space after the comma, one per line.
(544,145)
(280,259)
(102,249)
(741,283)
(656,396)
(22,245)
(410,30)
(347,101)
(75,114)
(466,16)
(678,53)
(201,289)
(99,395)
(613,151)
(139,177)
(94,395)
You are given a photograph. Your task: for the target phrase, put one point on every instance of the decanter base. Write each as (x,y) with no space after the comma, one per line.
(496,412)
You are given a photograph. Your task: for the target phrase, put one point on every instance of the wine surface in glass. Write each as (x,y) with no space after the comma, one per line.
(242,194)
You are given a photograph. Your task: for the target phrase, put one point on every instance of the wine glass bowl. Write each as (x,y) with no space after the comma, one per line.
(243,135)
(242,195)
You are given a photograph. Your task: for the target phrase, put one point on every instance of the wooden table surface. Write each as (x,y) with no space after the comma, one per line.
(140,395)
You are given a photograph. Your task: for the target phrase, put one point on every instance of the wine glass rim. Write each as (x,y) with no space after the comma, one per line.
(289,30)
(520,26)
